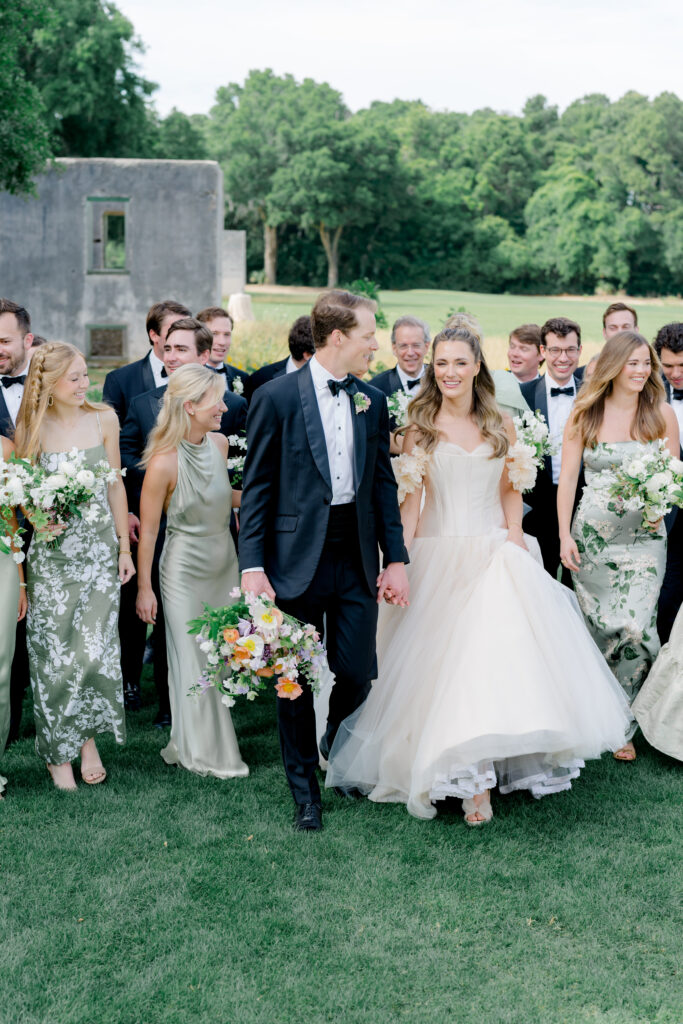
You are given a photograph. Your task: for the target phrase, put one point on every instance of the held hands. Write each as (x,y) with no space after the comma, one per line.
(257,583)
(146,606)
(392,585)
(133,528)
(126,568)
(569,554)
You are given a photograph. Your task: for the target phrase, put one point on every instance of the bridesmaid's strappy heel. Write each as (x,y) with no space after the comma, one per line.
(484,808)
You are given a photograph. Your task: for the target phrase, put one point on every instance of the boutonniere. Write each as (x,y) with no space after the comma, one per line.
(238,386)
(361,402)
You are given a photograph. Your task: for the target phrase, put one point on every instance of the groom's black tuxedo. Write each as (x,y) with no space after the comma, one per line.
(671,594)
(321,559)
(541,522)
(6,424)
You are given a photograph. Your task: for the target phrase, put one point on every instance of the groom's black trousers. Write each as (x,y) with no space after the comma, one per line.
(339,600)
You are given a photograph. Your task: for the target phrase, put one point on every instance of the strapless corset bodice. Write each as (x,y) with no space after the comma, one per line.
(462,492)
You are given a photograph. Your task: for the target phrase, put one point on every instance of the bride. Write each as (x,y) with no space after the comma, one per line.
(490,676)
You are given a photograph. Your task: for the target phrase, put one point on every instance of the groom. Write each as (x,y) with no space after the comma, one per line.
(319,498)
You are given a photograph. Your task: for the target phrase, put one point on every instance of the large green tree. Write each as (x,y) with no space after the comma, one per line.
(82,62)
(24,134)
(257,128)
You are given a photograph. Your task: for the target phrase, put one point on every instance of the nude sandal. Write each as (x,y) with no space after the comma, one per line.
(484,808)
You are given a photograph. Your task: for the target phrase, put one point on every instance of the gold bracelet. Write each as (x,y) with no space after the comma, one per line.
(124,552)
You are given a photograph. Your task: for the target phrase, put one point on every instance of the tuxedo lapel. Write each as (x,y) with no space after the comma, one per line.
(359,441)
(395,381)
(541,403)
(6,425)
(148,382)
(314,424)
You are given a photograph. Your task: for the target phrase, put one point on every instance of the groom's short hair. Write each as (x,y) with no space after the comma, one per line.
(336,310)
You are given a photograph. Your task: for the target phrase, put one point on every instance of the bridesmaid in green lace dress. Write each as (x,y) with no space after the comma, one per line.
(12,608)
(73,589)
(187,478)
(618,563)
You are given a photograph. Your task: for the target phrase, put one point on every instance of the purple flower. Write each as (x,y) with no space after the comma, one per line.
(244,626)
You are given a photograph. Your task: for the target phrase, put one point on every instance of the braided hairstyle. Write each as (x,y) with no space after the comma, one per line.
(48,363)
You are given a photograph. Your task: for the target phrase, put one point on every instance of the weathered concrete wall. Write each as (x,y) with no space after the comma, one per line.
(173,245)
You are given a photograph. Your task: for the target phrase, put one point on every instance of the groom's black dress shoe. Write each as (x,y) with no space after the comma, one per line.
(162,720)
(309,818)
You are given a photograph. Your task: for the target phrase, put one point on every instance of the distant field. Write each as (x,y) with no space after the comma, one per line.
(498,314)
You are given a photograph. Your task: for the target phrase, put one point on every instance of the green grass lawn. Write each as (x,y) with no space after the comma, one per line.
(165,898)
(498,314)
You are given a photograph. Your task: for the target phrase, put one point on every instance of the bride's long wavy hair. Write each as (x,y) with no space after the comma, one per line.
(425,407)
(589,409)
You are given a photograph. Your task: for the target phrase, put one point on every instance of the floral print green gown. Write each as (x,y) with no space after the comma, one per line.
(72,631)
(621,573)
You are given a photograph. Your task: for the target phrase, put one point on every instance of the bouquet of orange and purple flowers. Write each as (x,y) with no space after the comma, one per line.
(252,641)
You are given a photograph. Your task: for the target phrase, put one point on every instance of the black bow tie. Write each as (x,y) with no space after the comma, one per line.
(348,385)
(164,373)
(676,392)
(220,369)
(7,382)
(554,392)
(414,383)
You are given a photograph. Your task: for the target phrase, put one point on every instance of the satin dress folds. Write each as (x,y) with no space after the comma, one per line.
(198,565)
(9,600)
(490,675)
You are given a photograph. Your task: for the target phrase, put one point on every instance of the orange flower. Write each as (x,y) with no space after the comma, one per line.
(241,655)
(265,673)
(231,635)
(288,688)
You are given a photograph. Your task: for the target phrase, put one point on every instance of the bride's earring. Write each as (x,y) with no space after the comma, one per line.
(50,400)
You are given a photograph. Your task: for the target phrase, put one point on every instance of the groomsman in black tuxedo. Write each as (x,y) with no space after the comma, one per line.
(669,348)
(301,349)
(409,340)
(15,348)
(219,322)
(319,500)
(123,384)
(187,341)
(618,317)
(553,395)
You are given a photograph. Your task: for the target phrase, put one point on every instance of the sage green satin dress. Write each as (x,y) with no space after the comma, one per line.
(9,600)
(198,565)
(621,573)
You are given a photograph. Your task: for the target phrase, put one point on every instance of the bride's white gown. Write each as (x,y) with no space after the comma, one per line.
(489,676)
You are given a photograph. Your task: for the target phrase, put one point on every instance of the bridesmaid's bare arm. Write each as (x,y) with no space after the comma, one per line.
(160,479)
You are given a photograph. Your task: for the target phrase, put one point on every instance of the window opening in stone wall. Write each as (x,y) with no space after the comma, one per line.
(106,341)
(107,221)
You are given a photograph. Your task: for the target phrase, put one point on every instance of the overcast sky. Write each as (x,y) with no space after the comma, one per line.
(450,54)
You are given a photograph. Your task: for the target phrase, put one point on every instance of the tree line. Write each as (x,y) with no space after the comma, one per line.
(590,198)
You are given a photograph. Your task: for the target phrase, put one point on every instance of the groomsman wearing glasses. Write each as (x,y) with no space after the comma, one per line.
(553,395)
(669,348)
(409,340)
(15,352)
(219,322)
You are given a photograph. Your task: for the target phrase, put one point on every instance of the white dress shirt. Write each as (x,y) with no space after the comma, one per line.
(559,409)
(677,406)
(336,413)
(157,367)
(14,394)
(404,378)
(291,366)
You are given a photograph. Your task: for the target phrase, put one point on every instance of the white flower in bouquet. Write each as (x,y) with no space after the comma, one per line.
(69,468)
(397,405)
(228,700)
(522,466)
(55,481)
(86,478)
(658,482)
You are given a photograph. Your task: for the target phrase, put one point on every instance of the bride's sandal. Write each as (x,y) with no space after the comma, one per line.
(625,753)
(484,809)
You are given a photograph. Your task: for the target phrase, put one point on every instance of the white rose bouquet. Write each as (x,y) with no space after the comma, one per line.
(651,482)
(526,456)
(15,477)
(397,405)
(53,498)
(252,641)
(236,462)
